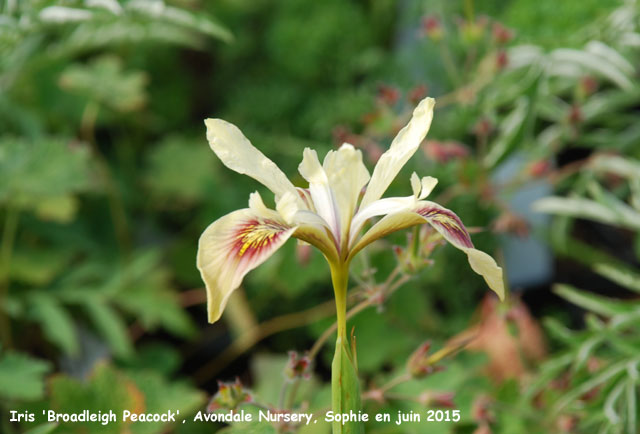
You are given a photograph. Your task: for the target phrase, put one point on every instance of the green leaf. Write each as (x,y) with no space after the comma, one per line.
(156,307)
(592,302)
(626,214)
(40,266)
(142,289)
(632,403)
(250,428)
(42,429)
(60,209)
(610,403)
(21,376)
(588,209)
(105,82)
(591,62)
(559,331)
(182,17)
(30,171)
(619,274)
(586,349)
(106,390)
(592,381)
(345,389)
(162,396)
(110,326)
(159,357)
(166,176)
(56,323)
(621,166)
(550,369)
(510,131)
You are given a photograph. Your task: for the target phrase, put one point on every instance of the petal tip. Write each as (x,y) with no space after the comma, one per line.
(486,266)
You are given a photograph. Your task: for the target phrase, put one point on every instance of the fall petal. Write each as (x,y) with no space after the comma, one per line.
(238,154)
(486,266)
(390,205)
(311,228)
(232,246)
(449,225)
(402,148)
(446,222)
(388,224)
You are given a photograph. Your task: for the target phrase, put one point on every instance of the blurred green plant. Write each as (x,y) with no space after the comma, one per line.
(597,374)
(80,219)
(65,74)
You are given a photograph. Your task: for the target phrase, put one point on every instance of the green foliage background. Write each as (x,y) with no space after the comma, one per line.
(106,182)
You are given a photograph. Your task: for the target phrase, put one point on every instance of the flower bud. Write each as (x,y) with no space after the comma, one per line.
(587,86)
(443,152)
(501,34)
(415,364)
(437,399)
(575,115)
(567,423)
(229,396)
(473,31)
(303,254)
(539,168)
(432,28)
(483,429)
(502,60)
(419,363)
(511,223)
(417,94)
(481,409)
(297,367)
(388,95)
(483,128)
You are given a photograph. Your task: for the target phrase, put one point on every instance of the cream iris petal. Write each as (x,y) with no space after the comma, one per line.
(311,227)
(402,148)
(322,195)
(486,266)
(347,176)
(238,154)
(449,225)
(235,244)
(389,205)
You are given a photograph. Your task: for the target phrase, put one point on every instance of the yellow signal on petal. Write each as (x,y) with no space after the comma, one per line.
(255,235)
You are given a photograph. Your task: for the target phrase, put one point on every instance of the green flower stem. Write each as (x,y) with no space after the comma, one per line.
(345,390)
(340,279)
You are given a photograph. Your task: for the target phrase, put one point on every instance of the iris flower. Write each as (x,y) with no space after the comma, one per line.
(329,214)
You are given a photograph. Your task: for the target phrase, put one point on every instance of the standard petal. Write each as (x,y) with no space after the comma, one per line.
(237,153)
(232,246)
(449,225)
(402,148)
(347,176)
(324,200)
(311,227)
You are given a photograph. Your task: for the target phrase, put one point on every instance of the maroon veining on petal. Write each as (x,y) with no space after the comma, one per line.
(255,236)
(447,223)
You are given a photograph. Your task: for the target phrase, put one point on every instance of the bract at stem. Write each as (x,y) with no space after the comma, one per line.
(345,390)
